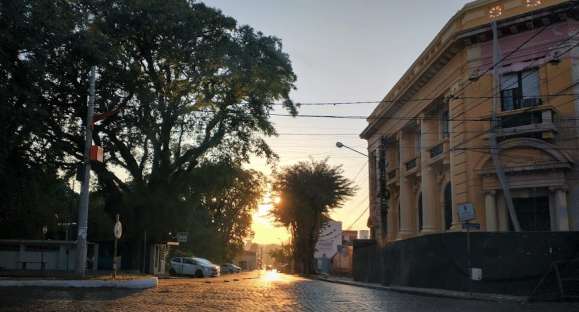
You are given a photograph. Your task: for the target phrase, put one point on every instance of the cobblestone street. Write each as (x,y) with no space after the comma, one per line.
(248,292)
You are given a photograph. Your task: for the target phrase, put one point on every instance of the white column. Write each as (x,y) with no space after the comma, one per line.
(406,200)
(491,211)
(428,179)
(561,210)
(392,217)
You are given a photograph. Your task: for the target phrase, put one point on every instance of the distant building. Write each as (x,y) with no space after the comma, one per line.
(342,261)
(329,239)
(348,237)
(363,234)
(247,260)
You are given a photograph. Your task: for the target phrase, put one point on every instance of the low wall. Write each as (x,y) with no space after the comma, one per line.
(365,261)
(511,263)
(48,255)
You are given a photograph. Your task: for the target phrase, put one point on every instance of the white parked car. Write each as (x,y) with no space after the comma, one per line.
(230,268)
(197,267)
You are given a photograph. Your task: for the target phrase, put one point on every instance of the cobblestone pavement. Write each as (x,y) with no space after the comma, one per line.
(248,292)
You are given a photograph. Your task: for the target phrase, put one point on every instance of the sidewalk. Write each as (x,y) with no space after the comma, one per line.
(425,291)
(67,280)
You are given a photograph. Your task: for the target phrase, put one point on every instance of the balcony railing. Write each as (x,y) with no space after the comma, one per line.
(522,119)
(437,150)
(411,164)
(538,119)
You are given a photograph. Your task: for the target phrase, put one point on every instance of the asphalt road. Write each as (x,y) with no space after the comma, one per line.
(248,292)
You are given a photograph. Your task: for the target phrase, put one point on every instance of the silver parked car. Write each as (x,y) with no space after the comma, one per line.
(230,268)
(197,267)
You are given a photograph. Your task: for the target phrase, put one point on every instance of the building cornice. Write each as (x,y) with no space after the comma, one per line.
(469,25)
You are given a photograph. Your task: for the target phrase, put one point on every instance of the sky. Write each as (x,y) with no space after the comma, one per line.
(341,51)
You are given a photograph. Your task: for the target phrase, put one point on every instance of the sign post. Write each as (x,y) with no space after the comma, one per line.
(182,237)
(466,213)
(118,232)
(44,231)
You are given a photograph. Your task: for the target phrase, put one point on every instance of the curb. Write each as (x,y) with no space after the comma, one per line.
(129,284)
(432,292)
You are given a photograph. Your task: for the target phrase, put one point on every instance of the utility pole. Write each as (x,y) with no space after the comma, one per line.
(81,241)
(495,155)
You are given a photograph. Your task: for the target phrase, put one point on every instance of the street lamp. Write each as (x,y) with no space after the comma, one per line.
(340,145)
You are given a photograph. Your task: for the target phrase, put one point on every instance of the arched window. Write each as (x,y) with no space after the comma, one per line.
(420,213)
(447,206)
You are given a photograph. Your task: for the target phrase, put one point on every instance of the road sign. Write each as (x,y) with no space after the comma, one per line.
(466,212)
(182,237)
(118,230)
(476,274)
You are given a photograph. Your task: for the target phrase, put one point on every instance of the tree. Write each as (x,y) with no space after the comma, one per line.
(32,190)
(282,257)
(227,195)
(308,192)
(179,83)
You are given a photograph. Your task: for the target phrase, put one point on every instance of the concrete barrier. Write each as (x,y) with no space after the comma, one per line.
(130,284)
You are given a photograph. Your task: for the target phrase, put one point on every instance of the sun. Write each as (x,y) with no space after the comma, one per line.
(263,224)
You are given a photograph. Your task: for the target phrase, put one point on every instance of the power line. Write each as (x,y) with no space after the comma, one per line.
(358,218)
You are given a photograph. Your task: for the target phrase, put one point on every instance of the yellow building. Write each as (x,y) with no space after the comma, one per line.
(432,138)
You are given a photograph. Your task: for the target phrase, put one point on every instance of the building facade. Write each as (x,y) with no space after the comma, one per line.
(473,94)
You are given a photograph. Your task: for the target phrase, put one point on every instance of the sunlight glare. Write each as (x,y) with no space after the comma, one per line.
(263,210)
(271,276)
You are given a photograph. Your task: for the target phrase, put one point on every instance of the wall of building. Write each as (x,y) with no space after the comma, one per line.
(466,153)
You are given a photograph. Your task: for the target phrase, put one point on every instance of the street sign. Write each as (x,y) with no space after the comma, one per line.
(476,274)
(466,212)
(182,237)
(118,230)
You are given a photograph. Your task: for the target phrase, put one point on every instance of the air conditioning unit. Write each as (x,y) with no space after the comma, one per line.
(473,76)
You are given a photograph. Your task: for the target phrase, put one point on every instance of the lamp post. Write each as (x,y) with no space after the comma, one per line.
(340,145)
(383,193)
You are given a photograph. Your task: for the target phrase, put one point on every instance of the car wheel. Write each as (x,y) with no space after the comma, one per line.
(172,271)
(199,273)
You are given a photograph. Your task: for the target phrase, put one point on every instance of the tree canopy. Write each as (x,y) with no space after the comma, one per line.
(179,86)
(308,192)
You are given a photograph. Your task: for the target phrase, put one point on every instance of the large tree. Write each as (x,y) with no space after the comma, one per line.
(178,84)
(308,192)
(184,83)
(33,35)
